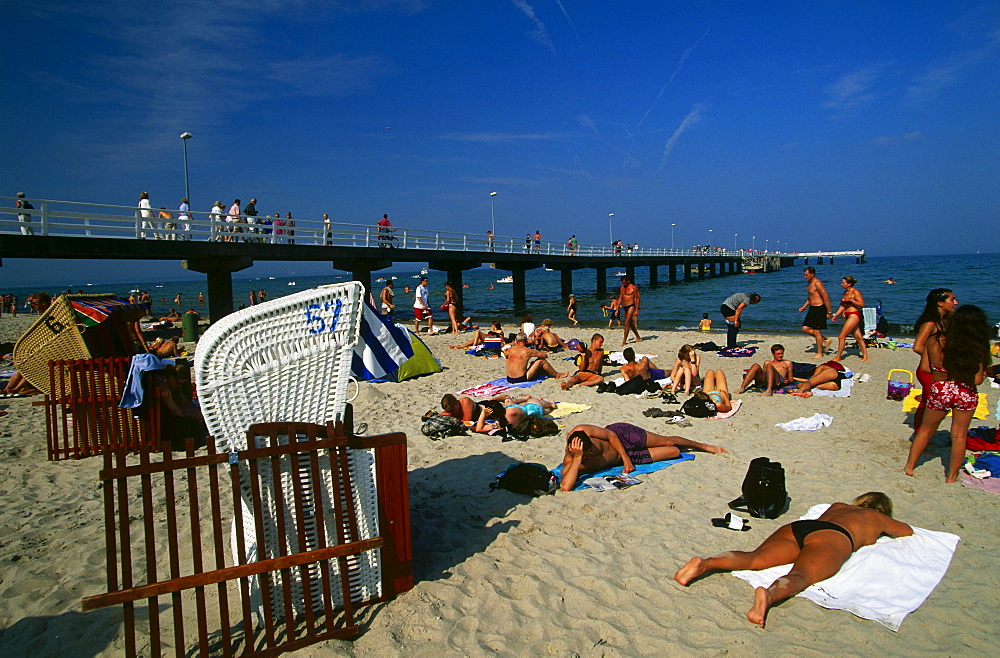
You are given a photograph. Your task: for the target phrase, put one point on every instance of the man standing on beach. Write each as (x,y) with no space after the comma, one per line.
(518,367)
(386,296)
(628,300)
(590,448)
(819,309)
(24,217)
(422,309)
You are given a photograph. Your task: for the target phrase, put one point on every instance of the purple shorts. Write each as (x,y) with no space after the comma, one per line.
(633,439)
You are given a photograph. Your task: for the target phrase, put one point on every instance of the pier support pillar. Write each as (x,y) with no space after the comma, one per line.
(361,269)
(630,272)
(654,276)
(672,276)
(566,284)
(701,270)
(687,265)
(518,289)
(602,282)
(219,271)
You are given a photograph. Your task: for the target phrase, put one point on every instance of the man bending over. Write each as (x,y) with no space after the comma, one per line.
(590,448)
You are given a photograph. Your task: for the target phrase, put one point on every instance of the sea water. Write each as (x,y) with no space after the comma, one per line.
(667,307)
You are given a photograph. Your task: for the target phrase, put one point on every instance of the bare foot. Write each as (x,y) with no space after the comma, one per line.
(908,470)
(715,450)
(767,394)
(694,568)
(739,392)
(761,603)
(818,356)
(560,375)
(565,386)
(951,478)
(638,340)
(865,359)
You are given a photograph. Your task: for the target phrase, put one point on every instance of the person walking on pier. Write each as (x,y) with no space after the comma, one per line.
(820,309)
(732,309)
(327,231)
(250,211)
(24,218)
(146,214)
(184,217)
(538,242)
(628,300)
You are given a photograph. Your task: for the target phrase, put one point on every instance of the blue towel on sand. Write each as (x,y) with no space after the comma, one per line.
(503,382)
(640,469)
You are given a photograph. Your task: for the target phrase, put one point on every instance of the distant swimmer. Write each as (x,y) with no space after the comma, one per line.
(890,281)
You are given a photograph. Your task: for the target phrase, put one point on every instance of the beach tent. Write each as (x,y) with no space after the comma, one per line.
(383,346)
(421,363)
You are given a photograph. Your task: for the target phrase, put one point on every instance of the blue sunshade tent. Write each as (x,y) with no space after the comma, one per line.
(383,347)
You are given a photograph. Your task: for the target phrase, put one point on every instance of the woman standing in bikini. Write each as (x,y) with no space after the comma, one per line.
(941,303)
(958,358)
(850,307)
(817,549)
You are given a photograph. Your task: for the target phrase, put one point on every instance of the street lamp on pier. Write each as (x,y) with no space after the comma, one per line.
(710,239)
(185,136)
(611,233)
(735,235)
(753,244)
(493,218)
(672,236)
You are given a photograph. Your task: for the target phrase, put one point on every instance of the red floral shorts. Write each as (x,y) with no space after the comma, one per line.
(952,395)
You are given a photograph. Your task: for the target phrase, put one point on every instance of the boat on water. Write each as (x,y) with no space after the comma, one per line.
(619,274)
(291,283)
(381,279)
(423,272)
(507,279)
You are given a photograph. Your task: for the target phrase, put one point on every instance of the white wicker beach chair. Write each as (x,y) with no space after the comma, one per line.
(289,360)
(869,316)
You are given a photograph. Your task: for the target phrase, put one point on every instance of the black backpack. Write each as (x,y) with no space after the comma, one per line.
(698,407)
(764,493)
(535,427)
(526,478)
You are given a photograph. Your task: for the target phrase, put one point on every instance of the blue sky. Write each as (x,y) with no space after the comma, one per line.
(822,125)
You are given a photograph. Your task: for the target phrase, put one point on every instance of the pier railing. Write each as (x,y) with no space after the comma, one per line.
(77,219)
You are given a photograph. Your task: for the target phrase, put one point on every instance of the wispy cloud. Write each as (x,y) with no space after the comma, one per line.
(893,139)
(680,65)
(586,121)
(499,137)
(942,74)
(853,90)
(570,21)
(693,117)
(538,33)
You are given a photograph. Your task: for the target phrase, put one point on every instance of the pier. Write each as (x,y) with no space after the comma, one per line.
(219,245)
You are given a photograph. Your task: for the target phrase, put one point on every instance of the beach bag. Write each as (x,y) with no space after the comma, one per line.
(438,426)
(526,478)
(535,427)
(764,492)
(698,408)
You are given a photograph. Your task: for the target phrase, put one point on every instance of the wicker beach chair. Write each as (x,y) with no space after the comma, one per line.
(289,360)
(75,327)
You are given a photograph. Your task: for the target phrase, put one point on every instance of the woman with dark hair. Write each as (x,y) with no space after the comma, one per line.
(850,307)
(958,358)
(493,417)
(941,303)
(451,305)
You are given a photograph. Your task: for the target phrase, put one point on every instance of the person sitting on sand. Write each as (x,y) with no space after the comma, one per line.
(171,316)
(590,448)
(590,364)
(525,364)
(643,368)
(816,549)
(165,348)
(706,323)
(495,331)
(685,369)
(716,391)
(546,339)
(774,372)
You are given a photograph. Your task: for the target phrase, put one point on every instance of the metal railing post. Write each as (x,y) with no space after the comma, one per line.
(45,217)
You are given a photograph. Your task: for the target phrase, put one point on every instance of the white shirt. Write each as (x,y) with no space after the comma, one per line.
(422,298)
(145,208)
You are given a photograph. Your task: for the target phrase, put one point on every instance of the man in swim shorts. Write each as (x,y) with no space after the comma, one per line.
(590,448)
(521,367)
(820,309)
(817,549)
(775,372)
(731,310)
(590,364)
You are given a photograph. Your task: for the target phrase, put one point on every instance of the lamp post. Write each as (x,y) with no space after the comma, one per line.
(493,217)
(185,136)
(753,244)
(765,246)
(611,233)
(672,236)
(735,235)
(710,239)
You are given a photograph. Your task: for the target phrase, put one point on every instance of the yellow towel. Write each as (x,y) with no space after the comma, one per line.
(910,404)
(566,408)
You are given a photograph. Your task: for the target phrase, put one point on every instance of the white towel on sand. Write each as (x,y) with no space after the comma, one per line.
(844,392)
(811,424)
(884,582)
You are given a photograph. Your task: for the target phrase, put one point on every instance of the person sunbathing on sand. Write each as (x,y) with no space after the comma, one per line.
(520,367)
(816,549)
(478,338)
(826,376)
(460,408)
(546,339)
(590,448)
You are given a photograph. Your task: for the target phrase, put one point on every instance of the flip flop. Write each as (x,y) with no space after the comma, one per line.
(732,522)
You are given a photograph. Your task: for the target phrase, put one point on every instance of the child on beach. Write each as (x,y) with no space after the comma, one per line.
(705,324)
(571,311)
(685,369)
(612,311)
(958,357)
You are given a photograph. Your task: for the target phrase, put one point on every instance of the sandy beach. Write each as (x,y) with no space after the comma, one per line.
(578,573)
